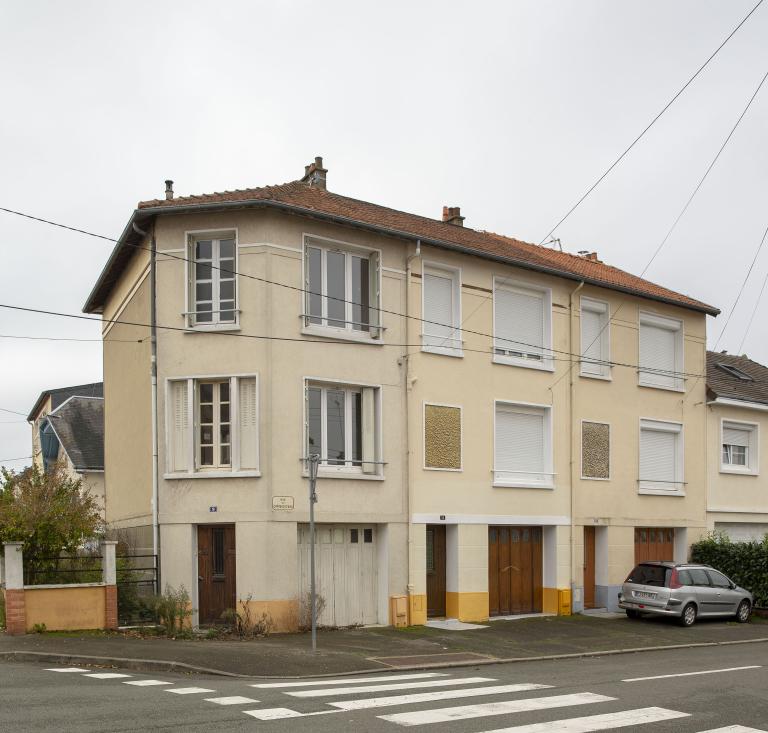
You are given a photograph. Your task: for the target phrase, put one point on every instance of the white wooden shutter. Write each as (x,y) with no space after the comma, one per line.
(438,309)
(592,335)
(657,353)
(179,428)
(519,320)
(248,423)
(519,442)
(736,436)
(658,457)
(369,429)
(374,294)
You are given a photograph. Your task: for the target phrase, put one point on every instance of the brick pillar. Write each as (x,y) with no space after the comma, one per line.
(15,607)
(109,570)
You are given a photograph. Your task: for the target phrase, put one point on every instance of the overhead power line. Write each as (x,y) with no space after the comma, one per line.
(14,412)
(648,126)
(10,460)
(754,311)
(56,338)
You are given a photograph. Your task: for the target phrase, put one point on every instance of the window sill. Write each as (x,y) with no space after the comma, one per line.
(595,478)
(545,365)
(521,485)
(345,475)
(738,471)
(601,377)
(648,491)
(212,474)
(224,327)
(649,385)
(443,351)
(340,334)
(449,470)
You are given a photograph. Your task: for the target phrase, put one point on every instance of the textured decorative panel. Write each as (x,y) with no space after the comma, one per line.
(595,450)
(442,437)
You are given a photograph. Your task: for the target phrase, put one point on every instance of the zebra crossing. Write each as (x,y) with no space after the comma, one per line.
(440,690)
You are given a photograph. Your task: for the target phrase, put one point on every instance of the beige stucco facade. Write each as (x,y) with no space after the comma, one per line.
(404,497)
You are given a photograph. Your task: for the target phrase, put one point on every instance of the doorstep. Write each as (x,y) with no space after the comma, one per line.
(452,624)
(518,616)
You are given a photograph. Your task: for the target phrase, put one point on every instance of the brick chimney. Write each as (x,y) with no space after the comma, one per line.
(314,174)
(168,190)
(452,215)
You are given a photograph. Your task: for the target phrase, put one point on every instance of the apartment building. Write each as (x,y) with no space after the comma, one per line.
(502,428)
(737,429)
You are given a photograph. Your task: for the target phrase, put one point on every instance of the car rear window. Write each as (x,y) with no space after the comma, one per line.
(649,575)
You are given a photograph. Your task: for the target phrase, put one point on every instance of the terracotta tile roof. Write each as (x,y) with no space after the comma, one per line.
(722,383)
(302,198)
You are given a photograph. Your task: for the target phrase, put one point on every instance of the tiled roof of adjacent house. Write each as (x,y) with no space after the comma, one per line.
(79,426)
(298,197)
(749,383)
(61,394)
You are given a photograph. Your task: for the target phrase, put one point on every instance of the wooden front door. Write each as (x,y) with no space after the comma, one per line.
(654,543)
(435,570)
(215,571)
(514,570)
(589,567)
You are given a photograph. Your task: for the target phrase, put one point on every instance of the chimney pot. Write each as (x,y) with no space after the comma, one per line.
(168,190)
(452,215)
(315,174)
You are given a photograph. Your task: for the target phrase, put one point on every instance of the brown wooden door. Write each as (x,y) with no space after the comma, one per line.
(514,570)
(589,567)
(435,570)
(654,543)
(215,571)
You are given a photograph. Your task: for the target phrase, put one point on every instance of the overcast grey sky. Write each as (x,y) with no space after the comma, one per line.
(508,109)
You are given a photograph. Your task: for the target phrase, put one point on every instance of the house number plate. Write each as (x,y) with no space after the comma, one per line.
(282,503)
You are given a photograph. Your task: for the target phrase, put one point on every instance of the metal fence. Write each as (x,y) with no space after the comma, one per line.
(136,587)
(64,570)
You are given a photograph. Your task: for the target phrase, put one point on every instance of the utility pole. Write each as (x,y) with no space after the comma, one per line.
(312,463)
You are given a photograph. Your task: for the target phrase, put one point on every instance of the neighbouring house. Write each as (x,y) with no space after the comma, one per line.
(68,426)
(737,426)
(503,428)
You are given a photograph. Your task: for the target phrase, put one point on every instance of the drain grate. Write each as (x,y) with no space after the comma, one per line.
(418,659)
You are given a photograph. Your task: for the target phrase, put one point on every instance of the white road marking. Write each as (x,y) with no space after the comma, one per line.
(382,702)
(189,690)
(106,675)
(281,713)
(734,729)
(352,680)
(147,683)
(692,674)
(639,716)
(464,712)
(233,700)
(66,669)
(397,686)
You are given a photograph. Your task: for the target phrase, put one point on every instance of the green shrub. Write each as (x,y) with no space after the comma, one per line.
(746,563)
(172,609)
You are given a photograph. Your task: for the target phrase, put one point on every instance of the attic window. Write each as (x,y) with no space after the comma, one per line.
(735,372)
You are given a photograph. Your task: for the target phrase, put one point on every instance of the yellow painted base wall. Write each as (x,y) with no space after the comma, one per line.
(556,600)
(65,609)
(417,609)
(466,606)
(284,614)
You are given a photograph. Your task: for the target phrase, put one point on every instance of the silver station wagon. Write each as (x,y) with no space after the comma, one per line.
(683,590)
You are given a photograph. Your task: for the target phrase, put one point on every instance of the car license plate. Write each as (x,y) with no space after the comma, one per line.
(644,594)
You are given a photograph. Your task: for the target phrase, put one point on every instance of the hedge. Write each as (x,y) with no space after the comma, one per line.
(746,563)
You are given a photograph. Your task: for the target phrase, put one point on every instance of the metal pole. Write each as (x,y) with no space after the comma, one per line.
(313,461)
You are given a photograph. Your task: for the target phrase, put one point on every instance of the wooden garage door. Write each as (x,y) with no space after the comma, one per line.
(345,572)
(654,543)
(514,570)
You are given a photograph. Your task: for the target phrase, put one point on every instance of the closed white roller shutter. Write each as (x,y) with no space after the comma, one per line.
(658,355)
(248,422)
(658,457)
(520,446)
(519,321)
(594,339)
(179,428)
(438,309)
(736,436)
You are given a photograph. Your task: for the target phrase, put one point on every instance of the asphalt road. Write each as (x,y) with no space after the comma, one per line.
(573,696)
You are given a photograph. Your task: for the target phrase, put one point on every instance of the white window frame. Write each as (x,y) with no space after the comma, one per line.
(456,345)
(546,362)
(603,309)
(524,480)
(675,488)
(343,471)
(595,421)
(194,471)
(215,426)
(646,379)
(753,449)
(190,296)
(375,334)
(424,437)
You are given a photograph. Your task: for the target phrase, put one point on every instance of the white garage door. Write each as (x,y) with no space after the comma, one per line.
(742,531)
(345,570)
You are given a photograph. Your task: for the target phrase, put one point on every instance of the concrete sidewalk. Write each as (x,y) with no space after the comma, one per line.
(368,649)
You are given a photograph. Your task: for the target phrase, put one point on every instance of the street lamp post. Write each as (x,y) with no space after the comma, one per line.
(312,462)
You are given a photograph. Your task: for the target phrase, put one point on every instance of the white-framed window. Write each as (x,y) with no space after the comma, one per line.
(522,324)
(342,288)
(661,352)
(212,426)
(441,310)
(661,458)
(522,445)
(212,296)
(595,339)
(342,426)
(739,443)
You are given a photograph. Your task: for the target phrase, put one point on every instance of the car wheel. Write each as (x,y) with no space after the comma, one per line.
(632,614)
(688,617)
(743,611)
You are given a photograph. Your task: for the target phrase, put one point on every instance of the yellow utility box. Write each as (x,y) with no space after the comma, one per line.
(398,611)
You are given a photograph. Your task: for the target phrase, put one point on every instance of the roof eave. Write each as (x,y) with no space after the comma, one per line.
(94,304)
